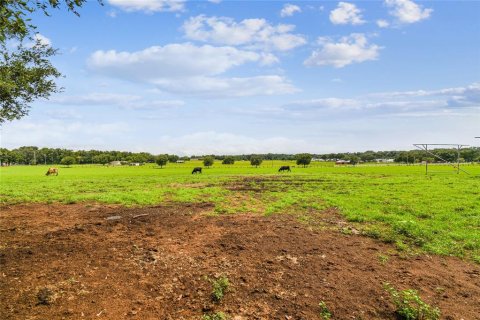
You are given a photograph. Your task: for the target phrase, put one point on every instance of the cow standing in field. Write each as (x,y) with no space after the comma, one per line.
(284,168)
(52,171)
(197,170)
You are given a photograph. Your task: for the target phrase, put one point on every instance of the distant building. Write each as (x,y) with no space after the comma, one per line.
(180,161)
(136,164)
(317,160)
(342,162)
(115,163)
(384,160)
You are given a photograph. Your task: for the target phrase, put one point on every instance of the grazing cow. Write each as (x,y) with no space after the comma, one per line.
(52,171)
(197,170)
(284,168)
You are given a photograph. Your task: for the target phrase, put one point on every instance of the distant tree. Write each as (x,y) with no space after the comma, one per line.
(468,154)
(353,159)
(101,158)
(161,160)
(228,160)
(67,161)
(303,159)
(5,156)
(208,161)
(256,161)
(173,158)
(368,156)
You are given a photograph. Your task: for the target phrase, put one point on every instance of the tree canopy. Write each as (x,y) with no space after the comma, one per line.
(162,160)
(256,161)
(228,160)
(208,161)
(26,73)
(67,161)
(303,159)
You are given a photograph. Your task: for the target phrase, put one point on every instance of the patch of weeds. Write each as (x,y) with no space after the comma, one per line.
(215,316)
(476,259)
(346,231)
(325,314)
(70,201)
(355,219)
(219,287)
(401,246)
(373,232)
(409,305)
(383,258)
(424,215)
(411,230)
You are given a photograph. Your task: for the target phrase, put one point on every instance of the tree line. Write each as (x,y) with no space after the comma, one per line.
(30,155)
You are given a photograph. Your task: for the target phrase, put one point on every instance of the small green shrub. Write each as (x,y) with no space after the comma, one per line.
(220,287)
(215,316)
(410,306)
(476,259)
(383,258)
(325,314)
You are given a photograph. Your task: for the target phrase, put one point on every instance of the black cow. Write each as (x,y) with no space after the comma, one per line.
(284,168)
(197,170)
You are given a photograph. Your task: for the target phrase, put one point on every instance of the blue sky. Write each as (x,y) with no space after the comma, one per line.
(230,77)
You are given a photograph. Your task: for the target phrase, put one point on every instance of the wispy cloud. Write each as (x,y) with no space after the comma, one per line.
(117,100)
(149,6)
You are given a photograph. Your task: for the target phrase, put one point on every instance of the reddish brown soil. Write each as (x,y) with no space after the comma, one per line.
(69,262)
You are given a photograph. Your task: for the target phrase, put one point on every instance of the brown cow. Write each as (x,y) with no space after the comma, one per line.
(52,171)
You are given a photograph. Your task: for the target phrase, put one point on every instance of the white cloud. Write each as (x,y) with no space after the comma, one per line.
(407,11)
(346,13)
(59,133)
(256,33)
(211,142)
(382,23)
(149,6)
(191,70)
(215,1)
(170,61)
(350,49)
(289,10)
(38,37)
(215,87)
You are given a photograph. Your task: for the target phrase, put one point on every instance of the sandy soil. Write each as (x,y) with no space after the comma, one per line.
(100,262)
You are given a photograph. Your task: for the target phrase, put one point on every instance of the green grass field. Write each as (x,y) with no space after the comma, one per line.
(439,213)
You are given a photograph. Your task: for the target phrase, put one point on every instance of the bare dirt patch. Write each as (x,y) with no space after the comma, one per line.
(93,262)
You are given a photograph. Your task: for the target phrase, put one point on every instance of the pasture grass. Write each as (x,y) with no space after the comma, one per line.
(439,213)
